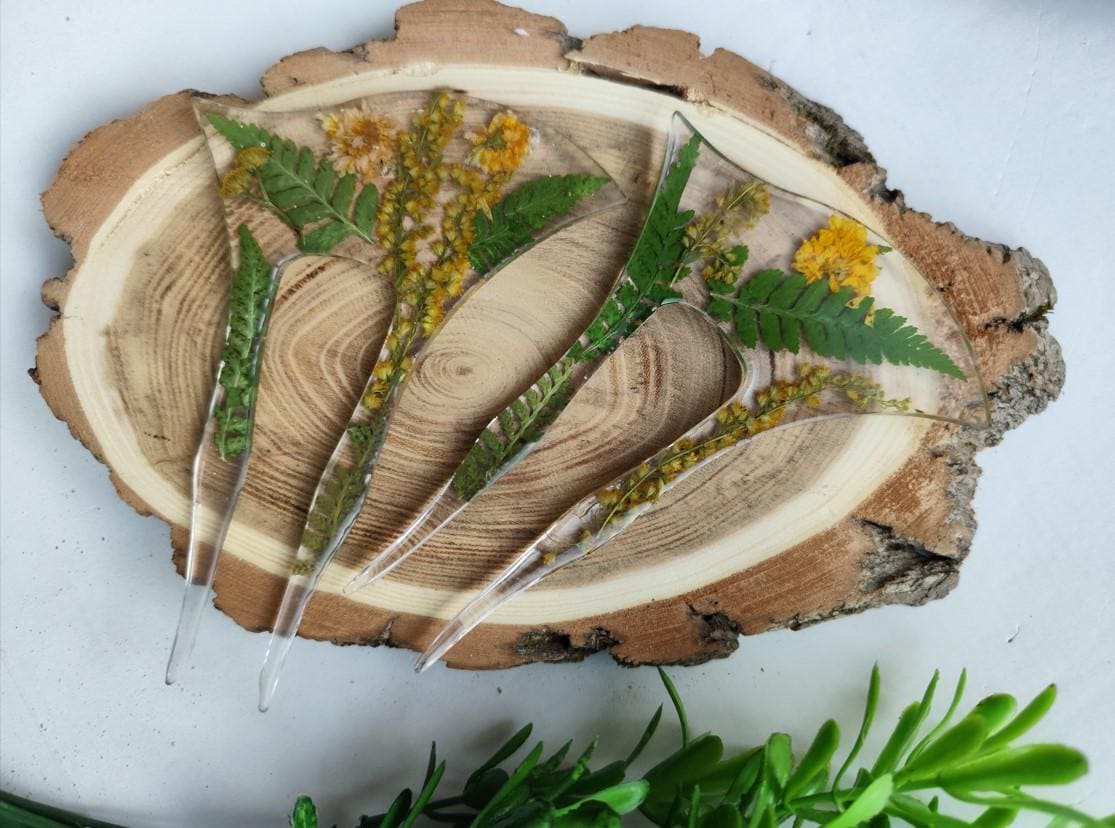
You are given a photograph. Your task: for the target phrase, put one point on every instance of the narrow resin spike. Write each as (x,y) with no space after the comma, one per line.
(471,186)
(440,512)
(829,323)
(467,186)
(221,462)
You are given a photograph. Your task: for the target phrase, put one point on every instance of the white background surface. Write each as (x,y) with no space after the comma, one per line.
(994,115)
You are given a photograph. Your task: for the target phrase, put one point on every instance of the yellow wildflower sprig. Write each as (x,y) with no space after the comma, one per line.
(709,236)
(409,198)
(736,422)
(425,289)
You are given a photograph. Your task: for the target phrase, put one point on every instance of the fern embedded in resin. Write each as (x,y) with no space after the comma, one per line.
(437,192)
(801,307)
(806,291)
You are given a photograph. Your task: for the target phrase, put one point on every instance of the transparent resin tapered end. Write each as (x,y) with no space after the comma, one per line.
(298,594)
(547,554)
(215,484)
(438,514)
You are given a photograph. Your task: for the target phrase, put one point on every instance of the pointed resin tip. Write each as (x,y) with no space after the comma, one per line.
(194,599)
(272,668)
(438,514)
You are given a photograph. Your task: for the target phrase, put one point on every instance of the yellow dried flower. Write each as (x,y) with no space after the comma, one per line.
(360,141)
(252,158)
(235,182)
(502,145)
(375,396)
(383,369)
(839,252)
(609,497)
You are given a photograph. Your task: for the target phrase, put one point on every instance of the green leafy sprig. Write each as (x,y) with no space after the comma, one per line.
(519,216)
(783,310)
(343,492)
(304,192)
(250,299)
(975,759)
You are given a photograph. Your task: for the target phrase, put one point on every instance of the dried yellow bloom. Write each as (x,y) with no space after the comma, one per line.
(238,180)
(839,252)
(360,141)
(252,158)
(235,182)
(709,236)
(502,145)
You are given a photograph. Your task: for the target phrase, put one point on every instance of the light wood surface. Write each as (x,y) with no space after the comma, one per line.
(886,513)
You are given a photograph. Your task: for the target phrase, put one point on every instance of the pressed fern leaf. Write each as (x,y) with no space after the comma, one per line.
(523,212)
(783,310)
(304,191)
(655,265)
(250,300)
(336,501)
(520,424)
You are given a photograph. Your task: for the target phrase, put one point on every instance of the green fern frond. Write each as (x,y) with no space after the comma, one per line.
(250,299)
(656,263)
(336,501)
(306,193)
(783,310)
(518,425)
(522,213)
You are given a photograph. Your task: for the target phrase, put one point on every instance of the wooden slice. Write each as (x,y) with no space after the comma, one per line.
(882,507)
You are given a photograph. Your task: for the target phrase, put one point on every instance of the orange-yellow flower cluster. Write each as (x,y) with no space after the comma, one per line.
(839,252)
(360,141)
(502,145)
(426,287)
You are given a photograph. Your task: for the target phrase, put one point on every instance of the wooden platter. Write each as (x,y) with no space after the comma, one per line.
(802,525)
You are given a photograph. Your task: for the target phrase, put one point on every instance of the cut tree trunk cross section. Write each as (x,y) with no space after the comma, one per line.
(129,360)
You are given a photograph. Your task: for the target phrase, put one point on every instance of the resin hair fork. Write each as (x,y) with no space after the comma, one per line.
(437,192)
(825,321)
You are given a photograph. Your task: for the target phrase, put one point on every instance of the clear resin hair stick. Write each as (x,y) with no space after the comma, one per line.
(221,463)
(828,324)
(663,256)
(469,188)
(437,192)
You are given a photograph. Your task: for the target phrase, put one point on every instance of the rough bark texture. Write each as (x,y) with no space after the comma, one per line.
(902,544)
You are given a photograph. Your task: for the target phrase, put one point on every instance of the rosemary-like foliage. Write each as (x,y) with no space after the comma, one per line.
(913,779)
(974,759)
